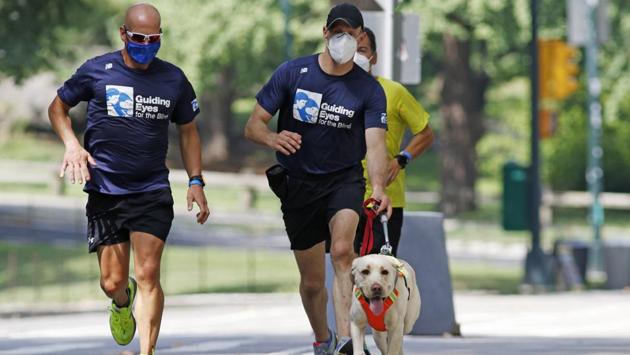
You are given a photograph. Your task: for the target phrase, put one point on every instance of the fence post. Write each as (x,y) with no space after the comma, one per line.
(57,184)
(35,277)
(11,273)
(250,196)
(251,270)
(202,266)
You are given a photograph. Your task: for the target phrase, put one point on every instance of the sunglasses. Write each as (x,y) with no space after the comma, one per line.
(143,38)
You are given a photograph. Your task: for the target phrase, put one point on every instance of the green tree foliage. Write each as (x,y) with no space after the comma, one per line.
(497,34)
(567,152)
(35,34)
(229,48)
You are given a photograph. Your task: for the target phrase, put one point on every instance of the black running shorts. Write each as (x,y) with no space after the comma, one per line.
(112,217)
(310,201)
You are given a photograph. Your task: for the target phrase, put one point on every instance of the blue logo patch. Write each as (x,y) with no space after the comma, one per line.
(306,105)
(119,100)
(194,104)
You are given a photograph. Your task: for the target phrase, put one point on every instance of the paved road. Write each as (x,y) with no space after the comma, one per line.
(567,323)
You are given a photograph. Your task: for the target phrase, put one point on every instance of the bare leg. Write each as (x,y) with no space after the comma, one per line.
(147,251)
(343,227)
(310,263)
(113,261)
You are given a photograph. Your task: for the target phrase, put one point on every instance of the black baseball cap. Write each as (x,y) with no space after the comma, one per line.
(347,13)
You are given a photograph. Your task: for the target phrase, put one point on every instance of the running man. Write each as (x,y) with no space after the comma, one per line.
(403,112)
(132,98)
(319,179)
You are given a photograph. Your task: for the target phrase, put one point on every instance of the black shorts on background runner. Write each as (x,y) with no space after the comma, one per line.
(112,217)
(394,228)
(310,201)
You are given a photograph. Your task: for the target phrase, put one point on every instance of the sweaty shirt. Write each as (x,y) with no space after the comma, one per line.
(128,114)
(403,111)
(331,113)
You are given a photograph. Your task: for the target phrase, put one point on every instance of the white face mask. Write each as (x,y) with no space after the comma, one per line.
(342,47)
(362,61)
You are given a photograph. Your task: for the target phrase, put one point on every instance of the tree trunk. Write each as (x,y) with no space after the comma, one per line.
(461,110)
(215,126)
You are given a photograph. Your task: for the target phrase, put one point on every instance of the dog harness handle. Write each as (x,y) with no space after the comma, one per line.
(368,233)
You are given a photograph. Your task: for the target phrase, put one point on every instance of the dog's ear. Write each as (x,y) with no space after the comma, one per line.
(396,264)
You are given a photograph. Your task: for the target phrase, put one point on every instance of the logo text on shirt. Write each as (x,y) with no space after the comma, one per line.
(120,103)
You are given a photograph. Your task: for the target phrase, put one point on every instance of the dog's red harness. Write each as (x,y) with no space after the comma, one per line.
(376,321)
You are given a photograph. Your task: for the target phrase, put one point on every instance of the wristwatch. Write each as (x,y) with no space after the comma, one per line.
(403,158)
(196,180)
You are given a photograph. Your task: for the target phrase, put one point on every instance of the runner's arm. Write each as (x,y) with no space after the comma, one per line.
(75,158)
(377,165)
(190,145)
(257,131)
(58,113)
(420,142)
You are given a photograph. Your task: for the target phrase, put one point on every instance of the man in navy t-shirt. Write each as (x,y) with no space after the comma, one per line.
(331,113)
(132,98)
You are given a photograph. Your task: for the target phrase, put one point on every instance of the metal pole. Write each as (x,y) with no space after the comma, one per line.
(535,270)
(388,46)
(595,173)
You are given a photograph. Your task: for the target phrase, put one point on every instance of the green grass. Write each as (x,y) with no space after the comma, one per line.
(44,273)
(36,273)
(23,146)
(479,276)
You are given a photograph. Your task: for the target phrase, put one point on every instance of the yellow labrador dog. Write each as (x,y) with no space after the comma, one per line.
(387,298)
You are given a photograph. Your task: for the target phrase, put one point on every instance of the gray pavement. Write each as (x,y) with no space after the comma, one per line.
(563,323)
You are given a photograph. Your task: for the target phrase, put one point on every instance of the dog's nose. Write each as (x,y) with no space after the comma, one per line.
(376,288)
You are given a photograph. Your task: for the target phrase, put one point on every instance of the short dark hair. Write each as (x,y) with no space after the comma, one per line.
(372,38)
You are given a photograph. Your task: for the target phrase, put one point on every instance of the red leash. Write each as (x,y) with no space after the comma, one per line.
(368,232)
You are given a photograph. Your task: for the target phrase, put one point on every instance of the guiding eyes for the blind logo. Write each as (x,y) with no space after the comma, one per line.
(121,102)
(306,105)
(308,108)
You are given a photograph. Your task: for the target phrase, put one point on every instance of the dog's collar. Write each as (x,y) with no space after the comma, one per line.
(377,322)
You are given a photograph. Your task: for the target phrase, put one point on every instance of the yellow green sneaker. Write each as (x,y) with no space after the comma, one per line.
(121,320)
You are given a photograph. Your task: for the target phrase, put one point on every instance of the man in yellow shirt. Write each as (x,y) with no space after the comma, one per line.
(403,111)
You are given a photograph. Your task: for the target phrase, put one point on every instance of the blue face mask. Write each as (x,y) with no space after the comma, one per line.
(142,53)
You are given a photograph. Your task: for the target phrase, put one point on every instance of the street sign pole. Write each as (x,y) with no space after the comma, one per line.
(535,264)
(594,173)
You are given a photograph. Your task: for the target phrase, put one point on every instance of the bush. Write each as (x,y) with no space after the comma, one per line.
(567,159)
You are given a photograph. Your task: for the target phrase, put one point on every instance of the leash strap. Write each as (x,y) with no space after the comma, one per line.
(368,232)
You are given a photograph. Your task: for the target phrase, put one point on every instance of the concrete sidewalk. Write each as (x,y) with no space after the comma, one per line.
(563,323)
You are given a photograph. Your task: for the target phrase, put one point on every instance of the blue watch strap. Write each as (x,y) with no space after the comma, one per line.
(407,154)
(195,182)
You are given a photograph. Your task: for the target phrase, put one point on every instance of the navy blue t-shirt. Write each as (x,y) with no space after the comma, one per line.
(128,114)
(330,112)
